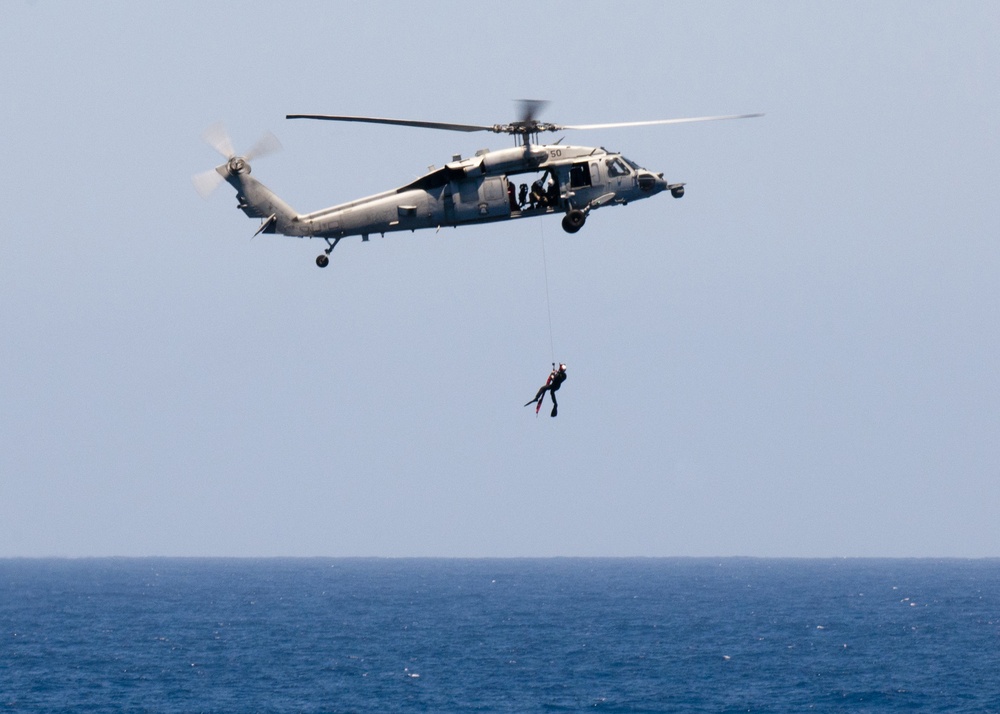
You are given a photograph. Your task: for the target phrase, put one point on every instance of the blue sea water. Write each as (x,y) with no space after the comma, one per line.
(573,635)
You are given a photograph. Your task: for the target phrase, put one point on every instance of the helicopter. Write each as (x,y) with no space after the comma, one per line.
(571,180)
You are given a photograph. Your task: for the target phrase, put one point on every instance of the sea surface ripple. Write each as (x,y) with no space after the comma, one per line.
(531,635)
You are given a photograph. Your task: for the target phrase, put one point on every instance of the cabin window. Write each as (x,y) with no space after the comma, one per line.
(493,189)
(579,175)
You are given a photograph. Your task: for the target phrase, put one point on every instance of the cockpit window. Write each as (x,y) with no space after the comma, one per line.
(616,167)
(631,163)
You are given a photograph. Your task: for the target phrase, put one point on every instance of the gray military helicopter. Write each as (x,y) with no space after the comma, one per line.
(572,180)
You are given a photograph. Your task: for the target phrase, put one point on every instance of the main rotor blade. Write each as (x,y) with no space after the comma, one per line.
(267,144)
(657,121)
(217,137)
(397,122)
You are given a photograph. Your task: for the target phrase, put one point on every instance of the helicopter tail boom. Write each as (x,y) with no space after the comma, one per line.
(258,201)
(255,199)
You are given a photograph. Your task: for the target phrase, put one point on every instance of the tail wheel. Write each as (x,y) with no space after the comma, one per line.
(322,260)
(573,221)
(677,192)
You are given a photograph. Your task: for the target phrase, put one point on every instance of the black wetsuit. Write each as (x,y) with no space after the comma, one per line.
(551,386)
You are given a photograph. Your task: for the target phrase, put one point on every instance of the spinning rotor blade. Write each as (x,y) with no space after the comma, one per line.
(656,121)
(217,137)
(206,182)
(267,144)
(530,108)
(397,122)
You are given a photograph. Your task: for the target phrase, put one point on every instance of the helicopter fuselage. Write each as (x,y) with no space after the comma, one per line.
(566,179)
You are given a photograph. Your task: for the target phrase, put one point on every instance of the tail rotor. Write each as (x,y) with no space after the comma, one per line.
(218,138)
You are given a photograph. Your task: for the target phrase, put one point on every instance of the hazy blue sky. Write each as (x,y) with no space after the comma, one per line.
(799,358)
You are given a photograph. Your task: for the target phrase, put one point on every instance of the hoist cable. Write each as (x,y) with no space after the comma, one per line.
(548,300)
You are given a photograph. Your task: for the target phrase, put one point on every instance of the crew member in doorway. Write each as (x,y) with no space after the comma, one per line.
(537,195)
(512,196)
(552,194)
(522,195)
(552,384)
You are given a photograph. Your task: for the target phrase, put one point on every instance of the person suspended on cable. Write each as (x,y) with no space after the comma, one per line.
(552,384)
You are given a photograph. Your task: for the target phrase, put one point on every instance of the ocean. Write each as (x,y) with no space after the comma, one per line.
(531,635)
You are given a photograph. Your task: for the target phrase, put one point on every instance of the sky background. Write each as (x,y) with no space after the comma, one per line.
(799,358)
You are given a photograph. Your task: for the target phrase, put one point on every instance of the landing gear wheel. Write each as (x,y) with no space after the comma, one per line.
(322,260)
(573,221)
(677,192)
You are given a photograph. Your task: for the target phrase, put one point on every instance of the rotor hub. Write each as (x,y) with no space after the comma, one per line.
(238,165)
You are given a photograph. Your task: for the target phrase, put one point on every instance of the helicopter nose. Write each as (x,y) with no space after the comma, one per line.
(651,183)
